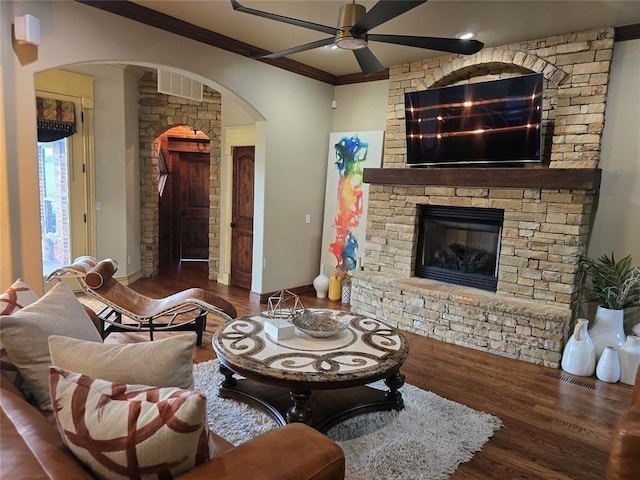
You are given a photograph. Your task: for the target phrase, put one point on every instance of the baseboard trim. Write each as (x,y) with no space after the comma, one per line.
(129,279)
(301,290)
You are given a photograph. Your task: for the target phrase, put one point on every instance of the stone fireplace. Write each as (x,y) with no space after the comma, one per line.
(546,208)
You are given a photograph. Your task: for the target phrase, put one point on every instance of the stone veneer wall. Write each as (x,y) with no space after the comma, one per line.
(544,232)
(158,113)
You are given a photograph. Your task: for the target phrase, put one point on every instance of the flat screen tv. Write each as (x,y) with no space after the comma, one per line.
(497,122)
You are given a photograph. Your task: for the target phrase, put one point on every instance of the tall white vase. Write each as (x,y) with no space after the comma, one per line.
(607,329)
(629,355)
(579,356)
(608,368)
(321,283)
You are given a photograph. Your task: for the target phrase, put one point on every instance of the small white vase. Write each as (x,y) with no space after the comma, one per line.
(608,368)
(579,356)
(629,355)
(321,283)
(607,329)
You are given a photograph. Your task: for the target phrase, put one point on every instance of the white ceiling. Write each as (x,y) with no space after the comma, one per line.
(496,23)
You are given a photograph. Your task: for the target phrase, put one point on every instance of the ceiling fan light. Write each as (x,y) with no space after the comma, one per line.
(465,35)
(351,43)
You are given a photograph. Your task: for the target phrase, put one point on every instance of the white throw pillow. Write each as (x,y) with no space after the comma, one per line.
(161,363)
(124,431)
(26,332)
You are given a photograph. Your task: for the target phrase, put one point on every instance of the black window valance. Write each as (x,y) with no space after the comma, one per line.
(56,119)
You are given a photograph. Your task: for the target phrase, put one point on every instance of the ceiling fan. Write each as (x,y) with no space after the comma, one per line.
(352,32)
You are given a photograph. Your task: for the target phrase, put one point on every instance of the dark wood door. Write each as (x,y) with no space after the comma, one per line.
(193,208)
(242,217)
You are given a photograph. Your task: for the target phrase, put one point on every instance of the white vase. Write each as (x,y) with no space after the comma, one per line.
(629,355)
(321,283)
(579,355)
(607,329)
(608,368)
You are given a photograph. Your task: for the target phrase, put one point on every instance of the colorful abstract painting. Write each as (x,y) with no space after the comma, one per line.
(346,196)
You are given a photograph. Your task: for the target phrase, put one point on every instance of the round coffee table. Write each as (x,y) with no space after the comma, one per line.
(318,381)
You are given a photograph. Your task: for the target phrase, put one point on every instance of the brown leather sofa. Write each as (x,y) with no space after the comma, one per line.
(30,447)
(624,455)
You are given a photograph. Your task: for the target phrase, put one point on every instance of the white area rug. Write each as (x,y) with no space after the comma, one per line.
(425,441)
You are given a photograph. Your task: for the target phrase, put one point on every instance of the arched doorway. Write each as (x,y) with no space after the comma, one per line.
(183,187)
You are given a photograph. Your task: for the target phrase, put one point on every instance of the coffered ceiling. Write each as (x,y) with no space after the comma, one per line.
(495,23)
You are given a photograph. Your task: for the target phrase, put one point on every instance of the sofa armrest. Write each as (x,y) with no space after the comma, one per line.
(31,445)
(94,319)
(293,452)
(624,455)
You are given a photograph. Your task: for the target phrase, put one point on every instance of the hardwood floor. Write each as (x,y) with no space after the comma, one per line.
(556,426)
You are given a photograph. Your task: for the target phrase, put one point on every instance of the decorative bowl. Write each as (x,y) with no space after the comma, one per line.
(320,323)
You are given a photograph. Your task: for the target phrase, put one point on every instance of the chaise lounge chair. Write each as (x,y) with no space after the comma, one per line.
(126,310)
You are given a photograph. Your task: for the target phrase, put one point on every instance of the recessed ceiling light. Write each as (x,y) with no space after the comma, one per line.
(465,35)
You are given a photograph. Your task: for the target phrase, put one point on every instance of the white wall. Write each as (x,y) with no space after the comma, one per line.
(617,222)
(361,107)
(292,138)
(111,176)
(132,168)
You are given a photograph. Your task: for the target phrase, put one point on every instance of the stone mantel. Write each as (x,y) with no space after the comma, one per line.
(539,178)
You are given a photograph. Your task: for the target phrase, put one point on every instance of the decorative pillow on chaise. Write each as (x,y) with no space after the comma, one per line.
(13,299)
(101,273)
(161,363)
(25,334)
(124,431)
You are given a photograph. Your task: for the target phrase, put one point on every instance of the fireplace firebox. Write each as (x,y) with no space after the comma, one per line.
(459,245)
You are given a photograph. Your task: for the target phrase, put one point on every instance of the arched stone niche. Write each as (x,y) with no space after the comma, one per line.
(159,113)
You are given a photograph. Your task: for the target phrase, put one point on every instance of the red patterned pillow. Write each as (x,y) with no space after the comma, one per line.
(124,431)
(16,296)
(13,299)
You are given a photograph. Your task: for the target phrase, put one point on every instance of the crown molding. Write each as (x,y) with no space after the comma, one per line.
(627,32)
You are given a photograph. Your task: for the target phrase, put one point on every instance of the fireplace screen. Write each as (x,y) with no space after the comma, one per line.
(459,245)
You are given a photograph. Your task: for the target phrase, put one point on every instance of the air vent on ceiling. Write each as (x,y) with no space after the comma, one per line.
(178,85)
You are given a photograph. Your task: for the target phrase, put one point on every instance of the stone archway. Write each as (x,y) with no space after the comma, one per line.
(497,60)
(158,113)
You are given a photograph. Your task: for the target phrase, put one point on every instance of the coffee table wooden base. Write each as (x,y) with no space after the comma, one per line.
(321,409)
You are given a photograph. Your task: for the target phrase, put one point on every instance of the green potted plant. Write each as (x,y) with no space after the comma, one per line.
(614,285)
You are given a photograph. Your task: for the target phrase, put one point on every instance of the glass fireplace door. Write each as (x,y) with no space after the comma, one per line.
(459,245)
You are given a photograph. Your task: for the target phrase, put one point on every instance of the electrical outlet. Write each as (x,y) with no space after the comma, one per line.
(307,218)
(129,260)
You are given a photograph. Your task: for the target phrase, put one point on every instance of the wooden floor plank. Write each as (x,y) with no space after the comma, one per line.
(553,429)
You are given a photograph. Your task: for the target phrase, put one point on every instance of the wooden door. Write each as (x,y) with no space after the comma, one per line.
(242,217)
(193,210)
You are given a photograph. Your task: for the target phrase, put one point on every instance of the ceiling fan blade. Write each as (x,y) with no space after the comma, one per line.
(281,18)
(383,11)
(367,61)
(300,48)
(452,45)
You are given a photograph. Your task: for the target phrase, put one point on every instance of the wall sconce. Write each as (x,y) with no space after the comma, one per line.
(27,30)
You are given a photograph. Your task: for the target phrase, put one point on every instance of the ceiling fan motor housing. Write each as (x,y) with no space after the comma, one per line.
(350,13)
